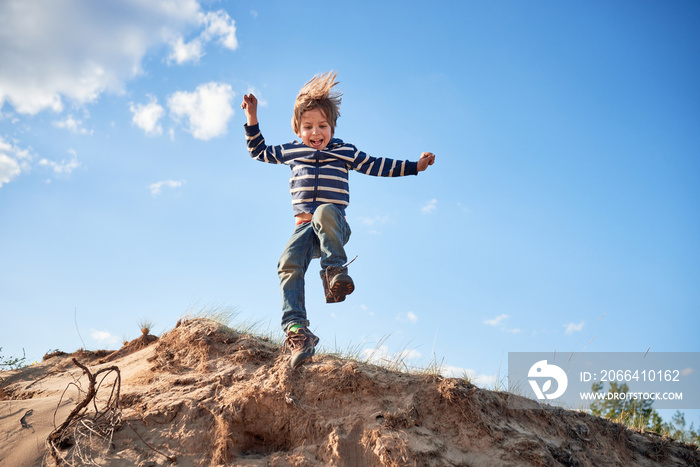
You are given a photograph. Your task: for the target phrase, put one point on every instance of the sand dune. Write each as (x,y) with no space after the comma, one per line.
(204,395)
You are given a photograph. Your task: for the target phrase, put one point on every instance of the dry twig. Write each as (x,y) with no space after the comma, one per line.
(87,430)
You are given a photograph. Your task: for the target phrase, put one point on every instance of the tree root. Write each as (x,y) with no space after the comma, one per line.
(82,431)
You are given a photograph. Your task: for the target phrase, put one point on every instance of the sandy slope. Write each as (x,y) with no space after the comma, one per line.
(205,395)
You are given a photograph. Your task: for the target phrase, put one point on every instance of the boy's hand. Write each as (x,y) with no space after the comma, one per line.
(250,107)
(426,159)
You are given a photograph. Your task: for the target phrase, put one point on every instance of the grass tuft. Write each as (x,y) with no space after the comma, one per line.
(145,325)
(222,314)
(226,316)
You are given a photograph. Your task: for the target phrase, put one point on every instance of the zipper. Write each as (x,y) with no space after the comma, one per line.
(317,170)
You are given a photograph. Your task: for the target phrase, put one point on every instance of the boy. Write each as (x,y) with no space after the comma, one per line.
(319,189)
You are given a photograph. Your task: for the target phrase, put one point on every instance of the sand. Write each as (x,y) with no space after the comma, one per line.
(205,395)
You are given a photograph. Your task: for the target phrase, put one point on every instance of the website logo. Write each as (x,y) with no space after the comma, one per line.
(542,370)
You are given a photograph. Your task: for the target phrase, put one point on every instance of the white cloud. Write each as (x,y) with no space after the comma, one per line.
(147,116)
(216,25)
(375,222)
(157,188)
(410,316)
(366,308)
(573,327)
(104,337)
(496,321)
(71,124)
(207,109)
(429,207)
(75,50)
(13,161)
(371,221)
(9,169)
(185,52)
(219,25)
(63,167)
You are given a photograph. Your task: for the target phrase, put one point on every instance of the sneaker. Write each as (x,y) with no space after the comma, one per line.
(302,345)
(336,284)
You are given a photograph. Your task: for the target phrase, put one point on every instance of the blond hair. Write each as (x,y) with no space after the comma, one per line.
(318,94)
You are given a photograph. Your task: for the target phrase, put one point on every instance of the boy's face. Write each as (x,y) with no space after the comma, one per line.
(314,129)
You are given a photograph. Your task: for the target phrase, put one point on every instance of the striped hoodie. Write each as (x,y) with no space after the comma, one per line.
(320,177)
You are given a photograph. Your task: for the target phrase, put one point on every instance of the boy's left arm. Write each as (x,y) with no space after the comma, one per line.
(426,159)
(385,167)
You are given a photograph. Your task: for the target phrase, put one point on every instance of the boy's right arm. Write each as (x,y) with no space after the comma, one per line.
(250,107)
(254,139)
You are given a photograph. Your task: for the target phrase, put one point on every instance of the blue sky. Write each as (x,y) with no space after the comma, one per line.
(562,214)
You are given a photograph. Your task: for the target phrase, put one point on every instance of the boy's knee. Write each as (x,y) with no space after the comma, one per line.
(288,265)
(326,212)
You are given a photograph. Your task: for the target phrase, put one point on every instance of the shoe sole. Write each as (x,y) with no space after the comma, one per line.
(339,291)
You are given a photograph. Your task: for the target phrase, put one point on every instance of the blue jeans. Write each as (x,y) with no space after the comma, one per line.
(324,237)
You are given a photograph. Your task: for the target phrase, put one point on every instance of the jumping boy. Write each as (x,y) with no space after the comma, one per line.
(320,195)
